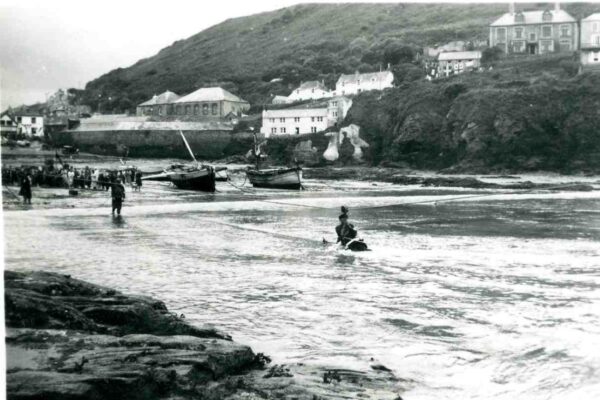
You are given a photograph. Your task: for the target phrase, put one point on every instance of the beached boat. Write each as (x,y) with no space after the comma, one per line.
(274,178)
(187,176)
(280,178)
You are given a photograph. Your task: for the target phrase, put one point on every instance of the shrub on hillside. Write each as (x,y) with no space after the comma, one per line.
(490,54)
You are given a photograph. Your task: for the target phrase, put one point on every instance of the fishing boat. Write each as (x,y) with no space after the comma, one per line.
(274,178)
(187,176)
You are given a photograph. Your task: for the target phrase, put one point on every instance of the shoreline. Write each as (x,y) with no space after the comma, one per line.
(67,338)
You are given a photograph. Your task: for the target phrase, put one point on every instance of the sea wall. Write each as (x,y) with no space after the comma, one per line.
(206,144)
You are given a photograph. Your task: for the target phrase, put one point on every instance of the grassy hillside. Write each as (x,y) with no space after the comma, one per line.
(308,41)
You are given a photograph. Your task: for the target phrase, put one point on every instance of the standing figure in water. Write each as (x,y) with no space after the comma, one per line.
(118,195)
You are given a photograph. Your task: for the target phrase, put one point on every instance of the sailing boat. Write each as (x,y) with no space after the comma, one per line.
(187,176)
(276,178)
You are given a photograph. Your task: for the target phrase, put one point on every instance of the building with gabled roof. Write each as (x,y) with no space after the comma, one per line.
(158,105)
(457,62)
(535,32)
(356,83)
(309,90)
(590,43)
(210,102)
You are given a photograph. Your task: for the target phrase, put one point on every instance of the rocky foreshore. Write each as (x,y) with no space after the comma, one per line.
(69,339)
(401,176)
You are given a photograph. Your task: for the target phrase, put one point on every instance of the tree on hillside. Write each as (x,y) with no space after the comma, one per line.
(396,53)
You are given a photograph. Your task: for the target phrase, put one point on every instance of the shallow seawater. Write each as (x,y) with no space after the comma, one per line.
(489,297)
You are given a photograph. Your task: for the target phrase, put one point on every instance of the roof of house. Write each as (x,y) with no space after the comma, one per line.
(164,98)
(353,78)
(312,85)
(459,55)
(592,17)
(144,123)
(210,94)
(534,17)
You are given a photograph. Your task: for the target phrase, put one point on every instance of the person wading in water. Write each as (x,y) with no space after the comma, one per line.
(345,231)
(118,195)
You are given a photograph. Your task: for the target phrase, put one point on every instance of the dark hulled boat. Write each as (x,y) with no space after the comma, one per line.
(187,176)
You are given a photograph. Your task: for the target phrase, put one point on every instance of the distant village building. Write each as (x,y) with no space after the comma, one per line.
(306,118)
(210,102)
(22,123)
(158,105)
(356,83)
(457,62)
(535,32)
(279,100)
(590,43)
(311,90)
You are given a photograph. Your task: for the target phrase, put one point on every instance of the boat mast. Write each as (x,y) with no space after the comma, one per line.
(188,147)
(256,152)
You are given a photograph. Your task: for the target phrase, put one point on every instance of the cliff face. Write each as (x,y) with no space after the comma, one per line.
(485,122)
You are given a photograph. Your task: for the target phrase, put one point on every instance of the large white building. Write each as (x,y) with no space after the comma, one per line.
(30,125)
(590,43)
(356,83)
(305,118)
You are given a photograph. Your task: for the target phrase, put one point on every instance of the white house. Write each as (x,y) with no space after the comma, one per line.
(355,83)
(30,125)
(305,118)
(457,62)
(590,43)
(310,90)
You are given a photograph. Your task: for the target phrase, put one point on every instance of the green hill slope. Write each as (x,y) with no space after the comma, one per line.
(308,41)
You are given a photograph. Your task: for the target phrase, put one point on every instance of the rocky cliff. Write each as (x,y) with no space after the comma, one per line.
(500,120)
(68,339)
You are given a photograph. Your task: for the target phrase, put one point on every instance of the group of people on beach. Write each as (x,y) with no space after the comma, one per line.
(67,176)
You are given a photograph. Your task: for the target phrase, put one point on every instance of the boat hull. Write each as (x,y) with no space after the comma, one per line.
(284,178)
(200,179)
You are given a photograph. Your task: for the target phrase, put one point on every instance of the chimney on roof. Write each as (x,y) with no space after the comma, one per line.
(511,8)
(557,6)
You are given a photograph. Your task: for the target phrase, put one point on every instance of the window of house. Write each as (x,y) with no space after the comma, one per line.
(297,131)
(196,109)
(312,119)
(547,31)
(595,27)
(565,45)
(160,110)
(532,37)
(205,109)
(320,119)
(313,129)
(334,103)
(215,108)
(546,46)
(518,46)
(501,34)
(18,119)
(335,113)
(547,16)
(33,120)
(296,119)
(2,122)
(281,119)
(519,33)
(282,130)
(33,131)
(273,130)
(565,30)
(188,110)
(519,17)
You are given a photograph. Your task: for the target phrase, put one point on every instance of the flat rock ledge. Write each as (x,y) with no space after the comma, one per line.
(69,339)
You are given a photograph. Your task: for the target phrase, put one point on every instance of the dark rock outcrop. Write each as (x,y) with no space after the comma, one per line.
(68,339)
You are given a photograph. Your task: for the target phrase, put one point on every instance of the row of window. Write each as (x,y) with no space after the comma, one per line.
(297,119)
(357,82)
(519,32)
(19,120)
(313,129)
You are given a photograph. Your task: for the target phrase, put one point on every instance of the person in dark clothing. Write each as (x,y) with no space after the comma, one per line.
(345,231)
(138,180)
(118,195)
(26,189)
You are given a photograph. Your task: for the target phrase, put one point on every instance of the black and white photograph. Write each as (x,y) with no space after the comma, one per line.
(288,200)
